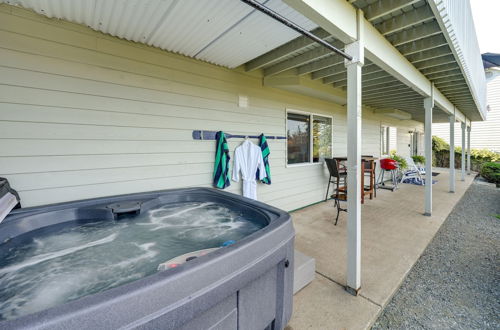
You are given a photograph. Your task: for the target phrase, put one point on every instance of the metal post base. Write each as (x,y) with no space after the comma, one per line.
(352,291)
(427,214)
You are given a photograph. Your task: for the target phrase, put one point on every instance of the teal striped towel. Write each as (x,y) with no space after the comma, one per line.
(265,155)
(221,166)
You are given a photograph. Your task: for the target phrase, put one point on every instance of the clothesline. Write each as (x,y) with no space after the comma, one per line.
(210,135)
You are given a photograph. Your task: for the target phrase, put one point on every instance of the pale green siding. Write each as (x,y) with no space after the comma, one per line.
(484,134)
(83,114)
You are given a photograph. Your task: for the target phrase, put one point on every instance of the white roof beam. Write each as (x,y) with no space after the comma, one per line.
(336,17)
(281,52)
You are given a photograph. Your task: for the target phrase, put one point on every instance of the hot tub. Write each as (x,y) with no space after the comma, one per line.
(114,262)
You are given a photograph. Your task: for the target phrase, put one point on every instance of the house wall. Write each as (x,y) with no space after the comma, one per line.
(83,114)
(484,134)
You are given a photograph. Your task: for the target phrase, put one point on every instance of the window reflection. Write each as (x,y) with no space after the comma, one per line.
(298,138)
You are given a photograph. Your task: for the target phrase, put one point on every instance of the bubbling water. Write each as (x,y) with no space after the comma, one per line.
(49,269)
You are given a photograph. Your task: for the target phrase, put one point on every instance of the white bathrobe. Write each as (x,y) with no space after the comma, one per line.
(247,158)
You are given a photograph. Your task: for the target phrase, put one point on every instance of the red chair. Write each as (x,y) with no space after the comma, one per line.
(388,165)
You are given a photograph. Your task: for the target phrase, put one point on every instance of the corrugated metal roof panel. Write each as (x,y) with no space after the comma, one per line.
(224,32)
(254,33)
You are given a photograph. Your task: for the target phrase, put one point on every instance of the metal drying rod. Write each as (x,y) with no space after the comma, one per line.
(210,135)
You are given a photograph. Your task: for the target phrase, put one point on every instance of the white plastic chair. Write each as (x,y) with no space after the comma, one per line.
(412,171)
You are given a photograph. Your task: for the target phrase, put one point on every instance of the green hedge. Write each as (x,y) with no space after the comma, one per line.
(441,155)
(491,172)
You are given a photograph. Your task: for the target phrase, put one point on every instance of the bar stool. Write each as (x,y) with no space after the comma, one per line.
(369,169)
(335,174)
(340,191)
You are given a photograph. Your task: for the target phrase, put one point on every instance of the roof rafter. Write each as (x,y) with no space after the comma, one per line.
(281,52)
(422,44)
(444,73)
(448,77)
(405,20)
(429,54)
(424,30)
(378,91)
(382,87)
(385,7)
(301,59)
(440,68)
(338,72)
(387,96)
(320,64)
(366,77)
(435,62)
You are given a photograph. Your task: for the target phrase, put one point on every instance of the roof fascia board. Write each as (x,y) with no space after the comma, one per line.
(439,19)
(336,17)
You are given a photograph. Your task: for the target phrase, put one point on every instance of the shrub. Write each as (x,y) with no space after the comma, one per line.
(439,144)
(485,154)
(491,172)
(418,159)
(401,161)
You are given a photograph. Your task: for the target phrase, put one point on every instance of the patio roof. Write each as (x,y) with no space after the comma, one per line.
(409,25)
(230,33)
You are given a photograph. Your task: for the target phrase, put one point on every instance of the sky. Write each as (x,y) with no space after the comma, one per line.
(486,15)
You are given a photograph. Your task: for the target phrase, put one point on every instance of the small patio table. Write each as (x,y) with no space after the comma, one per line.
(364,160)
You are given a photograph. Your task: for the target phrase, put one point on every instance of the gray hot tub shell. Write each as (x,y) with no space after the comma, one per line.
(247,285)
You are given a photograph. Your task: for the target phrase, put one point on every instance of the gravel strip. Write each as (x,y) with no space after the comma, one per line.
(456,282)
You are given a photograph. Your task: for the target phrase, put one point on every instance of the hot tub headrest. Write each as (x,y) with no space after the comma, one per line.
(9,198)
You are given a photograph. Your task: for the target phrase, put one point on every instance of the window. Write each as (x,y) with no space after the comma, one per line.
(415,143)
(388,139)
(385,140)
(308,143)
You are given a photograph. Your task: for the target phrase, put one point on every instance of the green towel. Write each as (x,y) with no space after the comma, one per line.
(221,166)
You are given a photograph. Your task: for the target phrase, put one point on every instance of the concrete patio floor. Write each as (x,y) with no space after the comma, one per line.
(394,235)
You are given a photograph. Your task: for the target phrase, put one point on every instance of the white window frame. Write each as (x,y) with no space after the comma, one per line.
(383,128)
(418,145)
(311,142)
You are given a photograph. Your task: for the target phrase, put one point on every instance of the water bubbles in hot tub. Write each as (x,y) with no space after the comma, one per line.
(49,269)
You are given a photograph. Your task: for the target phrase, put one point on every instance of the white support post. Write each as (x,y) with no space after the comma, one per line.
(356,50)
(452,153)
(468,148)
(463,151)
(428,105)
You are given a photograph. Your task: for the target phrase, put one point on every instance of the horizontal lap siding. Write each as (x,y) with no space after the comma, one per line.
(83,115)
(484,134)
